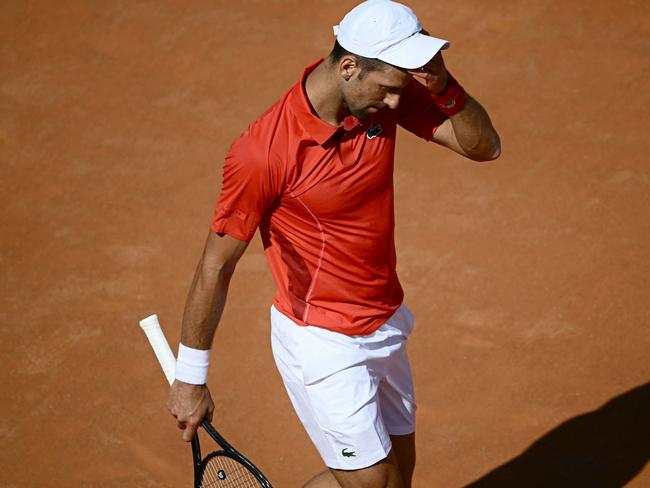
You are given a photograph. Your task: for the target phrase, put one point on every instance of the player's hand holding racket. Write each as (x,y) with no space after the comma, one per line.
(191,405)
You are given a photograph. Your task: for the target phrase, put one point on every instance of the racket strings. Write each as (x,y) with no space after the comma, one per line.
(225,472)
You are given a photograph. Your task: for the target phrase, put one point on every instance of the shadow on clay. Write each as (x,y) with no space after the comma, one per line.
(607,447)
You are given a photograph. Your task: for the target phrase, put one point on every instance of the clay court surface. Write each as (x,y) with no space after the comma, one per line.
(528,276)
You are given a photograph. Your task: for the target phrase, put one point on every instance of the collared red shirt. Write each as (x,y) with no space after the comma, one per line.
(322,197)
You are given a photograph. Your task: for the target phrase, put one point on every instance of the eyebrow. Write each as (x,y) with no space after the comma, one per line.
(392,87)
(397,87)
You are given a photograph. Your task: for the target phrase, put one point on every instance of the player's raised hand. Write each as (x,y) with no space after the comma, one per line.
(433,74)
(189,404)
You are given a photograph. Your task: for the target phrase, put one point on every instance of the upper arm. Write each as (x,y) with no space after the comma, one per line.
(222,251)
(445,136)
(470,134)
(251,183)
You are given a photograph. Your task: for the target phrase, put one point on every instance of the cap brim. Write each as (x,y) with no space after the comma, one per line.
(414,52)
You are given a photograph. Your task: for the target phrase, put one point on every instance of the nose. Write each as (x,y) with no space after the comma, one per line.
(391,100)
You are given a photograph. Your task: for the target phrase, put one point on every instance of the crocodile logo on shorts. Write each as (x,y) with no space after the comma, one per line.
(347,453)
(374,131)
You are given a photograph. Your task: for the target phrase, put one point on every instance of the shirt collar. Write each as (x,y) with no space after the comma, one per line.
(317,128)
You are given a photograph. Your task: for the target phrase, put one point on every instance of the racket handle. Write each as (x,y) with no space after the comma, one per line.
(160,346)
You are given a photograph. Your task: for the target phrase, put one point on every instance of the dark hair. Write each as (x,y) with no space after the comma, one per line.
(366,64)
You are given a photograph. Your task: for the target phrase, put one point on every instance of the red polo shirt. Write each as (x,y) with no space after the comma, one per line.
(322,197)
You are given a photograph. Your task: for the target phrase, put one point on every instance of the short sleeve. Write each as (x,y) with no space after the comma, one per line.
(417,111)
(250,186)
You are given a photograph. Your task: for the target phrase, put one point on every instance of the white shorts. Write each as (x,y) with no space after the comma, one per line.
(350,392)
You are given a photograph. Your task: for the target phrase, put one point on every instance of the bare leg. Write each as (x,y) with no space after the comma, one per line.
(395,471)
(384,474)
(324,480)
(404,448)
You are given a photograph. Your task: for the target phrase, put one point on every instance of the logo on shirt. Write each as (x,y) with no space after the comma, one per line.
(346,453)
(374,131)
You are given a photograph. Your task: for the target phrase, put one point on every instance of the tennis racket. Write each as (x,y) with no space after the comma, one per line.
(223,468)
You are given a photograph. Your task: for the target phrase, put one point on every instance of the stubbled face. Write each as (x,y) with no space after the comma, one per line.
(374,91)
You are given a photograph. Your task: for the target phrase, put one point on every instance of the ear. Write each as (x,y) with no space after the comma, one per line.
(348,67)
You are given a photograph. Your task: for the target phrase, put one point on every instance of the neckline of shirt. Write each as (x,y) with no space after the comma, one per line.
(320,130)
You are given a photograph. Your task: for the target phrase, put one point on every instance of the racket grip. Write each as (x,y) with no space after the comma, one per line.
(160,346)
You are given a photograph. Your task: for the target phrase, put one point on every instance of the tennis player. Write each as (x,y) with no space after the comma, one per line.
(314,174)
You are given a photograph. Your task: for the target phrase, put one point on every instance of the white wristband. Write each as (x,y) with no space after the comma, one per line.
(192,365)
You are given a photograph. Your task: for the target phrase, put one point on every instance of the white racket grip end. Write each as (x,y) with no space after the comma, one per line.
(160,346)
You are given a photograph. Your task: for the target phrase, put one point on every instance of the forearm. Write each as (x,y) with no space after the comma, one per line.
(474,133)
(468,129)
(205,304)
(207,296)
(189,399)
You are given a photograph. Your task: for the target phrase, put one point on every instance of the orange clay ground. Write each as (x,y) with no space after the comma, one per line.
(528,276)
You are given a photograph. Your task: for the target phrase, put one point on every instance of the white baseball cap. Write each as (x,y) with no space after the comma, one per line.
(389,31)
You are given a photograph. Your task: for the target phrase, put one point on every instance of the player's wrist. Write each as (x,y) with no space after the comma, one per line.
(192,365)
(451,99)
